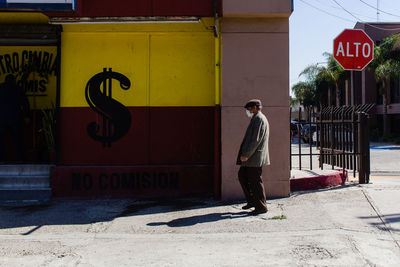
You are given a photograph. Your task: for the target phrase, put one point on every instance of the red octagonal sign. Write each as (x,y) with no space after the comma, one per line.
(353,49)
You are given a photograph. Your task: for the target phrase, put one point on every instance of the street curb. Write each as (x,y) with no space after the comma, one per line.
(385,173)
(318,182)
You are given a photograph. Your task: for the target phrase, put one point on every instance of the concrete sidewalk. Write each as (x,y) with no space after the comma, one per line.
(351,225)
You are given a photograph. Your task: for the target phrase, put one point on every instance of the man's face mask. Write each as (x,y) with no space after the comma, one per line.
(248,113)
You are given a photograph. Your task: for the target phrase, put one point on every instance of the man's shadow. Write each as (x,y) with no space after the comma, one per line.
(193,220)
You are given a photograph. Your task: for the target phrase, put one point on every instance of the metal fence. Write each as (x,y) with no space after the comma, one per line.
(298,129)
(342,138)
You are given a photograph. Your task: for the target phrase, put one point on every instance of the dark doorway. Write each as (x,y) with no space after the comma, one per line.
(30,55)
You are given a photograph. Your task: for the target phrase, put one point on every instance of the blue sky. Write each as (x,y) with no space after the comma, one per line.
(312,30)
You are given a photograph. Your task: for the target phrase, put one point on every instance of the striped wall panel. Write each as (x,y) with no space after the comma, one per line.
(144,100)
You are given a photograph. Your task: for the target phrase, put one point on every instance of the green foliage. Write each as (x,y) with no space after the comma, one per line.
(311,72)
(293,101)
(334,72)
(388,69)
(386,63)
(318,80)
(49,126)
(281,217)
(304,92)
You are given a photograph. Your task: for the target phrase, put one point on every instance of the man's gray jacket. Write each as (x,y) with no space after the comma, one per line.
(255,142)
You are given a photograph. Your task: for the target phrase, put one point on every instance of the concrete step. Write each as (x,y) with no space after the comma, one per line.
(25,184)
(23,181)
(25,169)
(24,203)
(17,194)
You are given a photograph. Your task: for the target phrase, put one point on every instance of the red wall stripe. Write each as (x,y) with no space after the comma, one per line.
(135,8)
(203,8)
(217,152)
(181,135)
(131,8)
(88,182)
(158,135)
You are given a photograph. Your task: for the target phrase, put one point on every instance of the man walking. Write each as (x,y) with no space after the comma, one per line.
(254,154)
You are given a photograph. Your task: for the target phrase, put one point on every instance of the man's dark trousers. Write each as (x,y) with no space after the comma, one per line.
(253,188)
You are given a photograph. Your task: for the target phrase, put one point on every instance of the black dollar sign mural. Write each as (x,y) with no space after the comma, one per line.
(116,117)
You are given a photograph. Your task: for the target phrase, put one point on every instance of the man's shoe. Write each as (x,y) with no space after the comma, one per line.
(257,212)
(247,206)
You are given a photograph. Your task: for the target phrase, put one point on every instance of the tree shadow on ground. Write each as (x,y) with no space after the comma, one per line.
(389,220)
(207,218)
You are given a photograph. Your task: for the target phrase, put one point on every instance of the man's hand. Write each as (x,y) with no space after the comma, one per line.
(27,120)
(243,159)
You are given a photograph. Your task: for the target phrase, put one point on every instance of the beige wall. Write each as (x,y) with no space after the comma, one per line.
(257,7)
(255,64)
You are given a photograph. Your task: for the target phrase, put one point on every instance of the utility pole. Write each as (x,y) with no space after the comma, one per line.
(377,10)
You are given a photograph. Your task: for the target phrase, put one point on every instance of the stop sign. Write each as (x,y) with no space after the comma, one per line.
(353,49)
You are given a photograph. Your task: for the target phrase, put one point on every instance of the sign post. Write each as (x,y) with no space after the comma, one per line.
(353,49)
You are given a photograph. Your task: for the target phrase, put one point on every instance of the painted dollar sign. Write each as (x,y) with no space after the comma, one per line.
(116,117)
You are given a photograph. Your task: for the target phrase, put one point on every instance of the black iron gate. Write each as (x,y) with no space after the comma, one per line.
(342,138)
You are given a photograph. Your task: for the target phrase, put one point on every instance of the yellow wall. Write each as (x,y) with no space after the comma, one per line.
(169,68)
(40,87)
(182,70)
(23,17)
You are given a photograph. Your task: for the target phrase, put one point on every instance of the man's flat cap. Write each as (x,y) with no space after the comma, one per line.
(252,103)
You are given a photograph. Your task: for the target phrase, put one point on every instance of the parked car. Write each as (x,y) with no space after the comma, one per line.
(307,133)
(295,128)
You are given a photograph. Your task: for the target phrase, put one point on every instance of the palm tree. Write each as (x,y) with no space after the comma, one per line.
(319,81)
(386,65)
(334,74)
(292,101)
(304,92)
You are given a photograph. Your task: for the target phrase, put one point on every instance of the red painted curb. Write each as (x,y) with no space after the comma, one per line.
(318,182)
